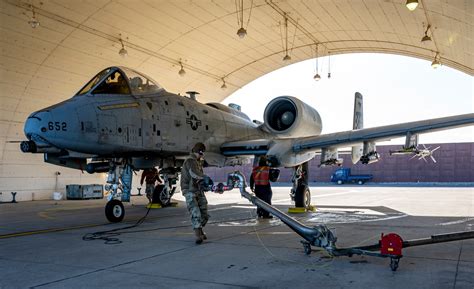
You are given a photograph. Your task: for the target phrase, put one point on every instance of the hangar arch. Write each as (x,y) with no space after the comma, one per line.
(73,41)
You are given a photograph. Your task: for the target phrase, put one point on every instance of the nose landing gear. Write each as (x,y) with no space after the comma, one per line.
(119,185)
(114,211)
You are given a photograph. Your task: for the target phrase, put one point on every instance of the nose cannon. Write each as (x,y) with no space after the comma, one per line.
(32,147)
(28,146)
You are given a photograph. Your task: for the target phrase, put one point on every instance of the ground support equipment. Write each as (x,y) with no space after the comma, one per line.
(389,246)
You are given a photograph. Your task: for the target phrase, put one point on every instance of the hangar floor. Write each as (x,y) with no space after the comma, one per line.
(41,243)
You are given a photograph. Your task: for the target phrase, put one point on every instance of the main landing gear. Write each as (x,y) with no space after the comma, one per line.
(170,178)
(300,192)
(119,186)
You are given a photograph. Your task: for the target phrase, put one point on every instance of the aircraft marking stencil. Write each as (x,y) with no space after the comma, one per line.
(193,122)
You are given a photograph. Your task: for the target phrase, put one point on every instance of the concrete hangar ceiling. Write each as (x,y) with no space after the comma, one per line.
(73,40)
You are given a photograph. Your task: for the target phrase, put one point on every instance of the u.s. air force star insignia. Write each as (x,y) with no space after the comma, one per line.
(193,121)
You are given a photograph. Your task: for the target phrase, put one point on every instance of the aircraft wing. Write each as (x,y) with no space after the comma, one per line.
(381,133)
(314,144)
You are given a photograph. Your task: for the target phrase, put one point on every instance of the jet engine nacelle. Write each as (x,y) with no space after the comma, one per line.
(287,116)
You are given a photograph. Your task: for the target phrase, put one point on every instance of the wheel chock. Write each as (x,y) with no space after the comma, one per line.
(159,206)
(153,206)
(297,210)
(300,210)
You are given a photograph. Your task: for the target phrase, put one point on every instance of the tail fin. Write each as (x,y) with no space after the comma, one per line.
(358,112)
(358,123)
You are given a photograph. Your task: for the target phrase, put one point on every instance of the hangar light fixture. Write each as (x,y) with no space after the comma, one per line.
(412,4)
(33,21)
(241,32)
(223,86)
(436,62)
(239,6)
(287,57)
(426,37)
(123,52)
(317,77)
(329,64)
(181,72)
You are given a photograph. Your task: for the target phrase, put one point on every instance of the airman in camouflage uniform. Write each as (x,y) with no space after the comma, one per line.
(191,175)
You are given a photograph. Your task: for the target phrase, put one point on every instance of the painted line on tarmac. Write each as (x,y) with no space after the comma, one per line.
(335,194)
(456,222)
(45,215)
(44,231)
(315,197)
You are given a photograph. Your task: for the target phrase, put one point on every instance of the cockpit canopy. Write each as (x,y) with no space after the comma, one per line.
(120,80)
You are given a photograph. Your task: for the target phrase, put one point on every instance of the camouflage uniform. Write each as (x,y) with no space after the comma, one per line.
(196,200)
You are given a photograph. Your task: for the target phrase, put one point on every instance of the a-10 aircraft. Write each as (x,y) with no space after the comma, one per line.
(122,120)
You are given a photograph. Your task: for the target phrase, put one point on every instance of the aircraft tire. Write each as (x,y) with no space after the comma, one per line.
(114,211)
(302,197)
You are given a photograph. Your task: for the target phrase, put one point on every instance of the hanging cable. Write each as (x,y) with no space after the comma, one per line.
(317,77)
(286,57)
(239,7)
(294,36)
(329,64)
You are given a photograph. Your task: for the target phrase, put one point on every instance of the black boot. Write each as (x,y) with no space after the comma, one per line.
(197,233)
(203,235)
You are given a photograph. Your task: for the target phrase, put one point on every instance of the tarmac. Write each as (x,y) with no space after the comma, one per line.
(42,246)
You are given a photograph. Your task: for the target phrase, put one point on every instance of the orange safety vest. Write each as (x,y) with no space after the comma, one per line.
(261,175)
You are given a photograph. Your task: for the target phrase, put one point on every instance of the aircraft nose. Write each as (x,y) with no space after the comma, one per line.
(36,125)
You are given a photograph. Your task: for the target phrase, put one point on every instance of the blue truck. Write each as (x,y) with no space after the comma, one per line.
(343,175)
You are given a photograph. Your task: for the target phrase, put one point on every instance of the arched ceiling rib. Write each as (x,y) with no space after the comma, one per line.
(76,39)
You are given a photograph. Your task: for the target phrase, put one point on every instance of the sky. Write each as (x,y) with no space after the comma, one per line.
(395,89)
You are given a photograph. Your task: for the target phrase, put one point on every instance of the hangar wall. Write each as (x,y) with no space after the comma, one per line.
(455,163)
(32,179)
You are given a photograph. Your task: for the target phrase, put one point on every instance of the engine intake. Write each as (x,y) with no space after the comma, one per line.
(287,116)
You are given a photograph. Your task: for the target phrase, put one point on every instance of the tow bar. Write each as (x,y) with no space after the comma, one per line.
(389,246)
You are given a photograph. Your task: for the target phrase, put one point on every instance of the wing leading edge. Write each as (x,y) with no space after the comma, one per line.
(314,144)
(381,133)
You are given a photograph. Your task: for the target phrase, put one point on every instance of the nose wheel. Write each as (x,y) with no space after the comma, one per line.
(114,211)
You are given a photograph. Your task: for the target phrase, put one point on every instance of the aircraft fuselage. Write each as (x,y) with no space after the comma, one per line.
(163,124)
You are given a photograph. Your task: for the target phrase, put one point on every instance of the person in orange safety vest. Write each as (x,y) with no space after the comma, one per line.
(260,185)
